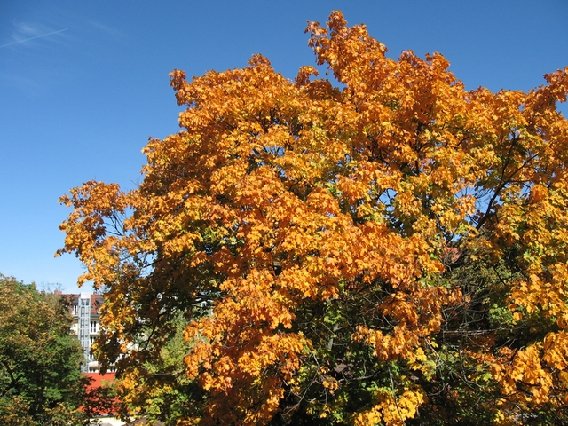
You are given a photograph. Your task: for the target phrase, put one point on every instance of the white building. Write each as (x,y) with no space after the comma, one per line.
(85,310)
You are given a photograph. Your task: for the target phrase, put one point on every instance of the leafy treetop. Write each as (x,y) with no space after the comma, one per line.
(360,251)
(40,379)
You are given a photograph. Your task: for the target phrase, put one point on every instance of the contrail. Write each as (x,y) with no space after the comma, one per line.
(11,43)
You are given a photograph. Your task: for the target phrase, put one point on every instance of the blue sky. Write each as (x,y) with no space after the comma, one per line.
(84,84)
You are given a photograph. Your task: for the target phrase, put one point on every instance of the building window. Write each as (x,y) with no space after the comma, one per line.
(94,326)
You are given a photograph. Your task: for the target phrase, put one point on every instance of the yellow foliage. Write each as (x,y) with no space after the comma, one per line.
(277,196)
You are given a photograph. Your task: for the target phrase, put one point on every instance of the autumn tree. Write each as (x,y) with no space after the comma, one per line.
(40,379)
(378,247)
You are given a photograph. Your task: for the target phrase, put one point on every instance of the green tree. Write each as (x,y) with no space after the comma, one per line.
(40,380)
(158,388)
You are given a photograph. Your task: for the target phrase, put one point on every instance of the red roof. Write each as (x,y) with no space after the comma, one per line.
(98,380)
(99,401)
(96,302)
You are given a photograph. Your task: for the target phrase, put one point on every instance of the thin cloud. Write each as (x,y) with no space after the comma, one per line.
(25,33)
(111,31)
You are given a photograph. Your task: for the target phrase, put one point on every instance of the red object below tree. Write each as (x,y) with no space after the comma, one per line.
(100,398)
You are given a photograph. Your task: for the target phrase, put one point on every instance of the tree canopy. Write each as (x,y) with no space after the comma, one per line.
(378,247)
(40,380)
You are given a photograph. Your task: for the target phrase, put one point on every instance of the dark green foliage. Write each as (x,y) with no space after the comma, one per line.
(40,380)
